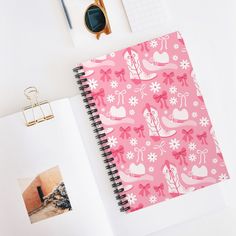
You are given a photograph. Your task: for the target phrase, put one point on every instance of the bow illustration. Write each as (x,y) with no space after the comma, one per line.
(203,137)
(125,132)
(161,99)
(144,189)
(161,147)
(121,74)
(139,153)
(139,130)
(164,42)
(99,97)
(118,153)
(141,90)
(121,96)
(168,78)
(187,135)
(202,155)
(105,74)
(181,155)
(183,99)
(183,79)
(159,189)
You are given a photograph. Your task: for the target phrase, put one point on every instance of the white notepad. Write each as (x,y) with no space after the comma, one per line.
(146,15)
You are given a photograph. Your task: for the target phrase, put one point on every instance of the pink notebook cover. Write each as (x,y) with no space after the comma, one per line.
(155,120)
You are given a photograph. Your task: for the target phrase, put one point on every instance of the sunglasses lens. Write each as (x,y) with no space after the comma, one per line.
(95,19)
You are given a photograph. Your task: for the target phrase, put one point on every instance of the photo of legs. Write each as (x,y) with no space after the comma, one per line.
(45,195)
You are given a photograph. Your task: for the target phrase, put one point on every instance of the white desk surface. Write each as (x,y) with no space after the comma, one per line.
(36,49)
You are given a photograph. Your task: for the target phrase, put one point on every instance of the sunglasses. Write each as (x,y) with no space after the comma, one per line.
(96,20)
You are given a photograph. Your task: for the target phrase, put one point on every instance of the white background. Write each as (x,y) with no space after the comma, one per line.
(36,49)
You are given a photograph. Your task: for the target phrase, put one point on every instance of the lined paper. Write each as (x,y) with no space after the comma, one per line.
(146,15)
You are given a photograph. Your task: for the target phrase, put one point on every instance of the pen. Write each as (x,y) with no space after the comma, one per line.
(66,13)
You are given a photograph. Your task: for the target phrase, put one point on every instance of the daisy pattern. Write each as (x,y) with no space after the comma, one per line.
(204,122)
(112,54)
(129,155)
(132,112)
(194,114)
(133,141)
(173,90)
(195,103)
(214,160)
(131,198)
(112,141)
(153,43)
(128,86)
(175,58)
(110,98)
(223,177)
(151,169)
(184,64)
(148,143)
(93,84)
(213,171)
(133,101)
(173,101)
(192,146)
(192,157)
(155,87)
(176,46)
(174,144)
(153,199)
(114,84)
(152,157)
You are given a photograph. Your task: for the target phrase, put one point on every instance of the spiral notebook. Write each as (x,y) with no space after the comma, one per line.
(149,116)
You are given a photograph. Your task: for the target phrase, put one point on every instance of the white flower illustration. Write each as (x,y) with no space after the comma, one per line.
(128,86)
(215,160)
(132,112)
(93,84)
(213,171)
(194,114)
(176,46)
(114,84)
(129,155)
(133,101)
(112,54)
(204,122)
(184,64)
(153,199)
(175,58)
(173,90)
(192,146)
(112,141)
(131,198)
(174,144)
(133,141)
(153,43)
(151,169)
(110,98)
(148,143)
(192,157)
(155,87)
(173,101)
(152,157)
(223,177)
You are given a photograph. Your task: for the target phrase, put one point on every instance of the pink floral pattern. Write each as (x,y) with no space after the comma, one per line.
(155,120)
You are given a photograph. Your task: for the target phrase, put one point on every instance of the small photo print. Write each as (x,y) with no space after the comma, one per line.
(45,195)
